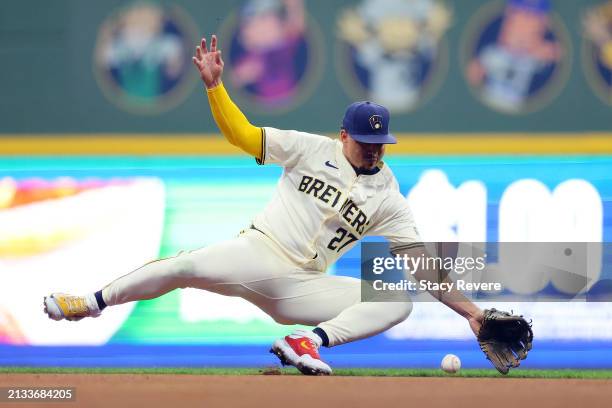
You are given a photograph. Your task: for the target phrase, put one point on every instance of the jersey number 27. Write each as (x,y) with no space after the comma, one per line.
(336,242)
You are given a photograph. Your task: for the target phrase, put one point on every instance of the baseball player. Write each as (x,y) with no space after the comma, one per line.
(331,194)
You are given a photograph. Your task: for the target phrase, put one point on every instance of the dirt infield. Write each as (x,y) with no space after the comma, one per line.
(154,390)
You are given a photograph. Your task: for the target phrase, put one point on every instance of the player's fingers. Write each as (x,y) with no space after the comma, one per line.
(218,58)
(197,63)
(213,43)
(203,45)
(198,53)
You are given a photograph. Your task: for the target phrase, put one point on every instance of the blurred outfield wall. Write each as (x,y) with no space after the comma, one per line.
(76,224)
(446,67)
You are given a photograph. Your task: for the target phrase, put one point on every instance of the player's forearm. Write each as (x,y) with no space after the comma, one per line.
(452,298)
(457,301)
(232,122)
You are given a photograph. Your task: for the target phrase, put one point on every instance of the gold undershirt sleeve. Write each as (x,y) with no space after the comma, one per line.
(233,124)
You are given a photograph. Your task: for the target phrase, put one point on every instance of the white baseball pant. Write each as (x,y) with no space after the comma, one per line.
(253,267)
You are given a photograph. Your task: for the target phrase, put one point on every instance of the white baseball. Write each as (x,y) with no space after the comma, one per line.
(450,363)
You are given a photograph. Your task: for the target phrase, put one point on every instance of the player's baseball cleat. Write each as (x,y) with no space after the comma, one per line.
(60,306)
(302,353)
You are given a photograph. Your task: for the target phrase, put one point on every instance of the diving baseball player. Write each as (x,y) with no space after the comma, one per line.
(331,194)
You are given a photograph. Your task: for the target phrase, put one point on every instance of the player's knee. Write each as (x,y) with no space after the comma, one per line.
(282,317)
(183,268)
(400,311)
(283,320)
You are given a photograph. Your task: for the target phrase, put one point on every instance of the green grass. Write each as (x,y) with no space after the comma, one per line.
(360,372)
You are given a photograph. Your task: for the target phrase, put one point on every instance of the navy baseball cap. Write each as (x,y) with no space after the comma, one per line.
(368,122)
(534,6)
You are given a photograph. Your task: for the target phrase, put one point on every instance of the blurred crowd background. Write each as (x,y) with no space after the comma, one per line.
(109,156)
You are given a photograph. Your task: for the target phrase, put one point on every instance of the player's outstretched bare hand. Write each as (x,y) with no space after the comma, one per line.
(209,62)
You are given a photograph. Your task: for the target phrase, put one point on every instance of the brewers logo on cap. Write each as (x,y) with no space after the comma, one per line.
(376,122)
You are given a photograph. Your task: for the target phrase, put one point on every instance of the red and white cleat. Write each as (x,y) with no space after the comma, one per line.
(302,352)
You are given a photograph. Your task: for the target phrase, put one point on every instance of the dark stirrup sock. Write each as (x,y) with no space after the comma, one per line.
(321,333)
(100,300)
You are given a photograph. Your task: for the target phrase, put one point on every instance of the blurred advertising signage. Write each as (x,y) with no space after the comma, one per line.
(528,210)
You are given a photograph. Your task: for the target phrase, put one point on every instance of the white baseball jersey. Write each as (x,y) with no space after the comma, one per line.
(321,207)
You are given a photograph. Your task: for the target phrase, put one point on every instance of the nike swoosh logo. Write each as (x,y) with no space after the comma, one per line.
(304,344)
(328,164)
